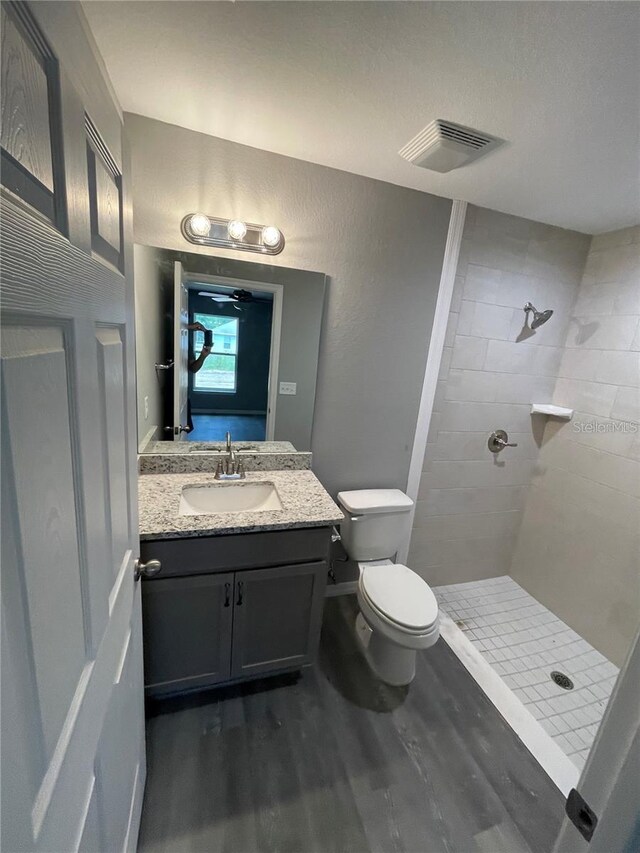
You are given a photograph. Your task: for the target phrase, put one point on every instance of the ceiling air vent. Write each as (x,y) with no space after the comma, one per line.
(444,145)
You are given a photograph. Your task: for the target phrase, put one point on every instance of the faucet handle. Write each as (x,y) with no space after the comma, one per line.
(498,440)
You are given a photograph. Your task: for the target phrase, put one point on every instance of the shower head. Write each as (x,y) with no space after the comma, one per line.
(539,317)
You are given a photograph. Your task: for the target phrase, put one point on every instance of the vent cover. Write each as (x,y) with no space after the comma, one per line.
(444,145)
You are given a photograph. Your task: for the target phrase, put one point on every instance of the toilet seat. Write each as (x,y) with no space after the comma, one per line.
(399,597)
(396,635)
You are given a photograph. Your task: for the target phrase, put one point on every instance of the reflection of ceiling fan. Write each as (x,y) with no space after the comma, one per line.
(235,296)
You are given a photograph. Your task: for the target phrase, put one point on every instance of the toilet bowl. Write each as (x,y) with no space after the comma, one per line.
(401,614)
(398,611)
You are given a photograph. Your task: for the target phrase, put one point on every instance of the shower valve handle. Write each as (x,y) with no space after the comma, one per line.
(498,440)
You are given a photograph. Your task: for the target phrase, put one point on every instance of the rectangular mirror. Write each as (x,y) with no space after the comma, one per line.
(224,345)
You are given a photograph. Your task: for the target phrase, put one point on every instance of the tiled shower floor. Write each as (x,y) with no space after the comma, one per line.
(525,642)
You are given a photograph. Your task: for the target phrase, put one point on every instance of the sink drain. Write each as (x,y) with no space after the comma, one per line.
(562,680)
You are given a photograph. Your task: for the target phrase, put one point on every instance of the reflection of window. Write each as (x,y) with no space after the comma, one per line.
(219,373)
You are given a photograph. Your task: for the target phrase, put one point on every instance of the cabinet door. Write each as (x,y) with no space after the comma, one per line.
(276,618)
(187,631)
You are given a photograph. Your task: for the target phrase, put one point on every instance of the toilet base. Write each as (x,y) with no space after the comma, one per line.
(392,664)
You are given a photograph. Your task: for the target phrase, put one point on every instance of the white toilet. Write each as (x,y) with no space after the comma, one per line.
(398,611)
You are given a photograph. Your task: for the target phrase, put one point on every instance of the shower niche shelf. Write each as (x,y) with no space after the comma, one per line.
(551,411)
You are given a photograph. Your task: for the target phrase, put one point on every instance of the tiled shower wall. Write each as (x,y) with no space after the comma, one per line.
(470,502)
(578,550)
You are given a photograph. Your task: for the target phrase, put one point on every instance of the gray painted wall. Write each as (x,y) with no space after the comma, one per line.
(381,246)
(470,502)
(578,549)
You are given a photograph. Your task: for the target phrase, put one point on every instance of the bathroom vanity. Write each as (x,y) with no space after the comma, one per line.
(241,591)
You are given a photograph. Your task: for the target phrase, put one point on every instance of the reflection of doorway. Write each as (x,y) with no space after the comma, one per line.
(231,390)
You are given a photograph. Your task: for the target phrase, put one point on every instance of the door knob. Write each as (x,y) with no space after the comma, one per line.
(498,440)
(176,430)
(146,570)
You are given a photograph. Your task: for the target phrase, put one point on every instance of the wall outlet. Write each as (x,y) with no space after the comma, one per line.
(288,387)
(146,408)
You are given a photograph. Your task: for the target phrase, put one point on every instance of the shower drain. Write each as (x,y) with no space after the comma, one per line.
(562,680)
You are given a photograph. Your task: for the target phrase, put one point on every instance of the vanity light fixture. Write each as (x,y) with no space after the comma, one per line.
(271,235)
(199,224)
(237,230)
(232,234)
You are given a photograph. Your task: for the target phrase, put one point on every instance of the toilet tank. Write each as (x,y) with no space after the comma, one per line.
(376,522)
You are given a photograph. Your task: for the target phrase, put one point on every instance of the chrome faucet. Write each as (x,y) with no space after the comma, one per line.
(229,469)
(231,456)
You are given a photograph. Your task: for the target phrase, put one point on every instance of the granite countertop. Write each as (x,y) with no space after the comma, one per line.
(184,447)
(198,462)
(305,503)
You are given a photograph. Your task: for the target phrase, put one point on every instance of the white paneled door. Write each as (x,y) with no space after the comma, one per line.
(73,764)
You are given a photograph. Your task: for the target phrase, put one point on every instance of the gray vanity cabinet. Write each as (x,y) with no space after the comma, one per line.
(230,608)
(276,618)
(187,632)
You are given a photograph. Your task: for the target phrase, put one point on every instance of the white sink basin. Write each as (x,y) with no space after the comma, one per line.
(229,497)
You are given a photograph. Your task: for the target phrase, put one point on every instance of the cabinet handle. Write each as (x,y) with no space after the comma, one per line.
(227,594)
(239,600)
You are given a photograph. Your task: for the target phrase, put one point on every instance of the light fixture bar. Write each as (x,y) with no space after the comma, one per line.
(232,234)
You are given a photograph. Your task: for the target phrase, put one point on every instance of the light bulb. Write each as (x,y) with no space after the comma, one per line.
(200,225)
(271,236)
(236,229)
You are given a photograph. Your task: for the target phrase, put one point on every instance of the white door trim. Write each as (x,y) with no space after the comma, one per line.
(180,352)
(434,357)
(276,330)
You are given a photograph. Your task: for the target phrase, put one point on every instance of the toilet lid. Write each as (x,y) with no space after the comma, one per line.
(401,595)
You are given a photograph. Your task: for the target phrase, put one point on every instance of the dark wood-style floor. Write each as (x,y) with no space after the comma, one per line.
(338,761)
(241,427)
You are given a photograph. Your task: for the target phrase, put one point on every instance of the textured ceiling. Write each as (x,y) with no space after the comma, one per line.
(346,84)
